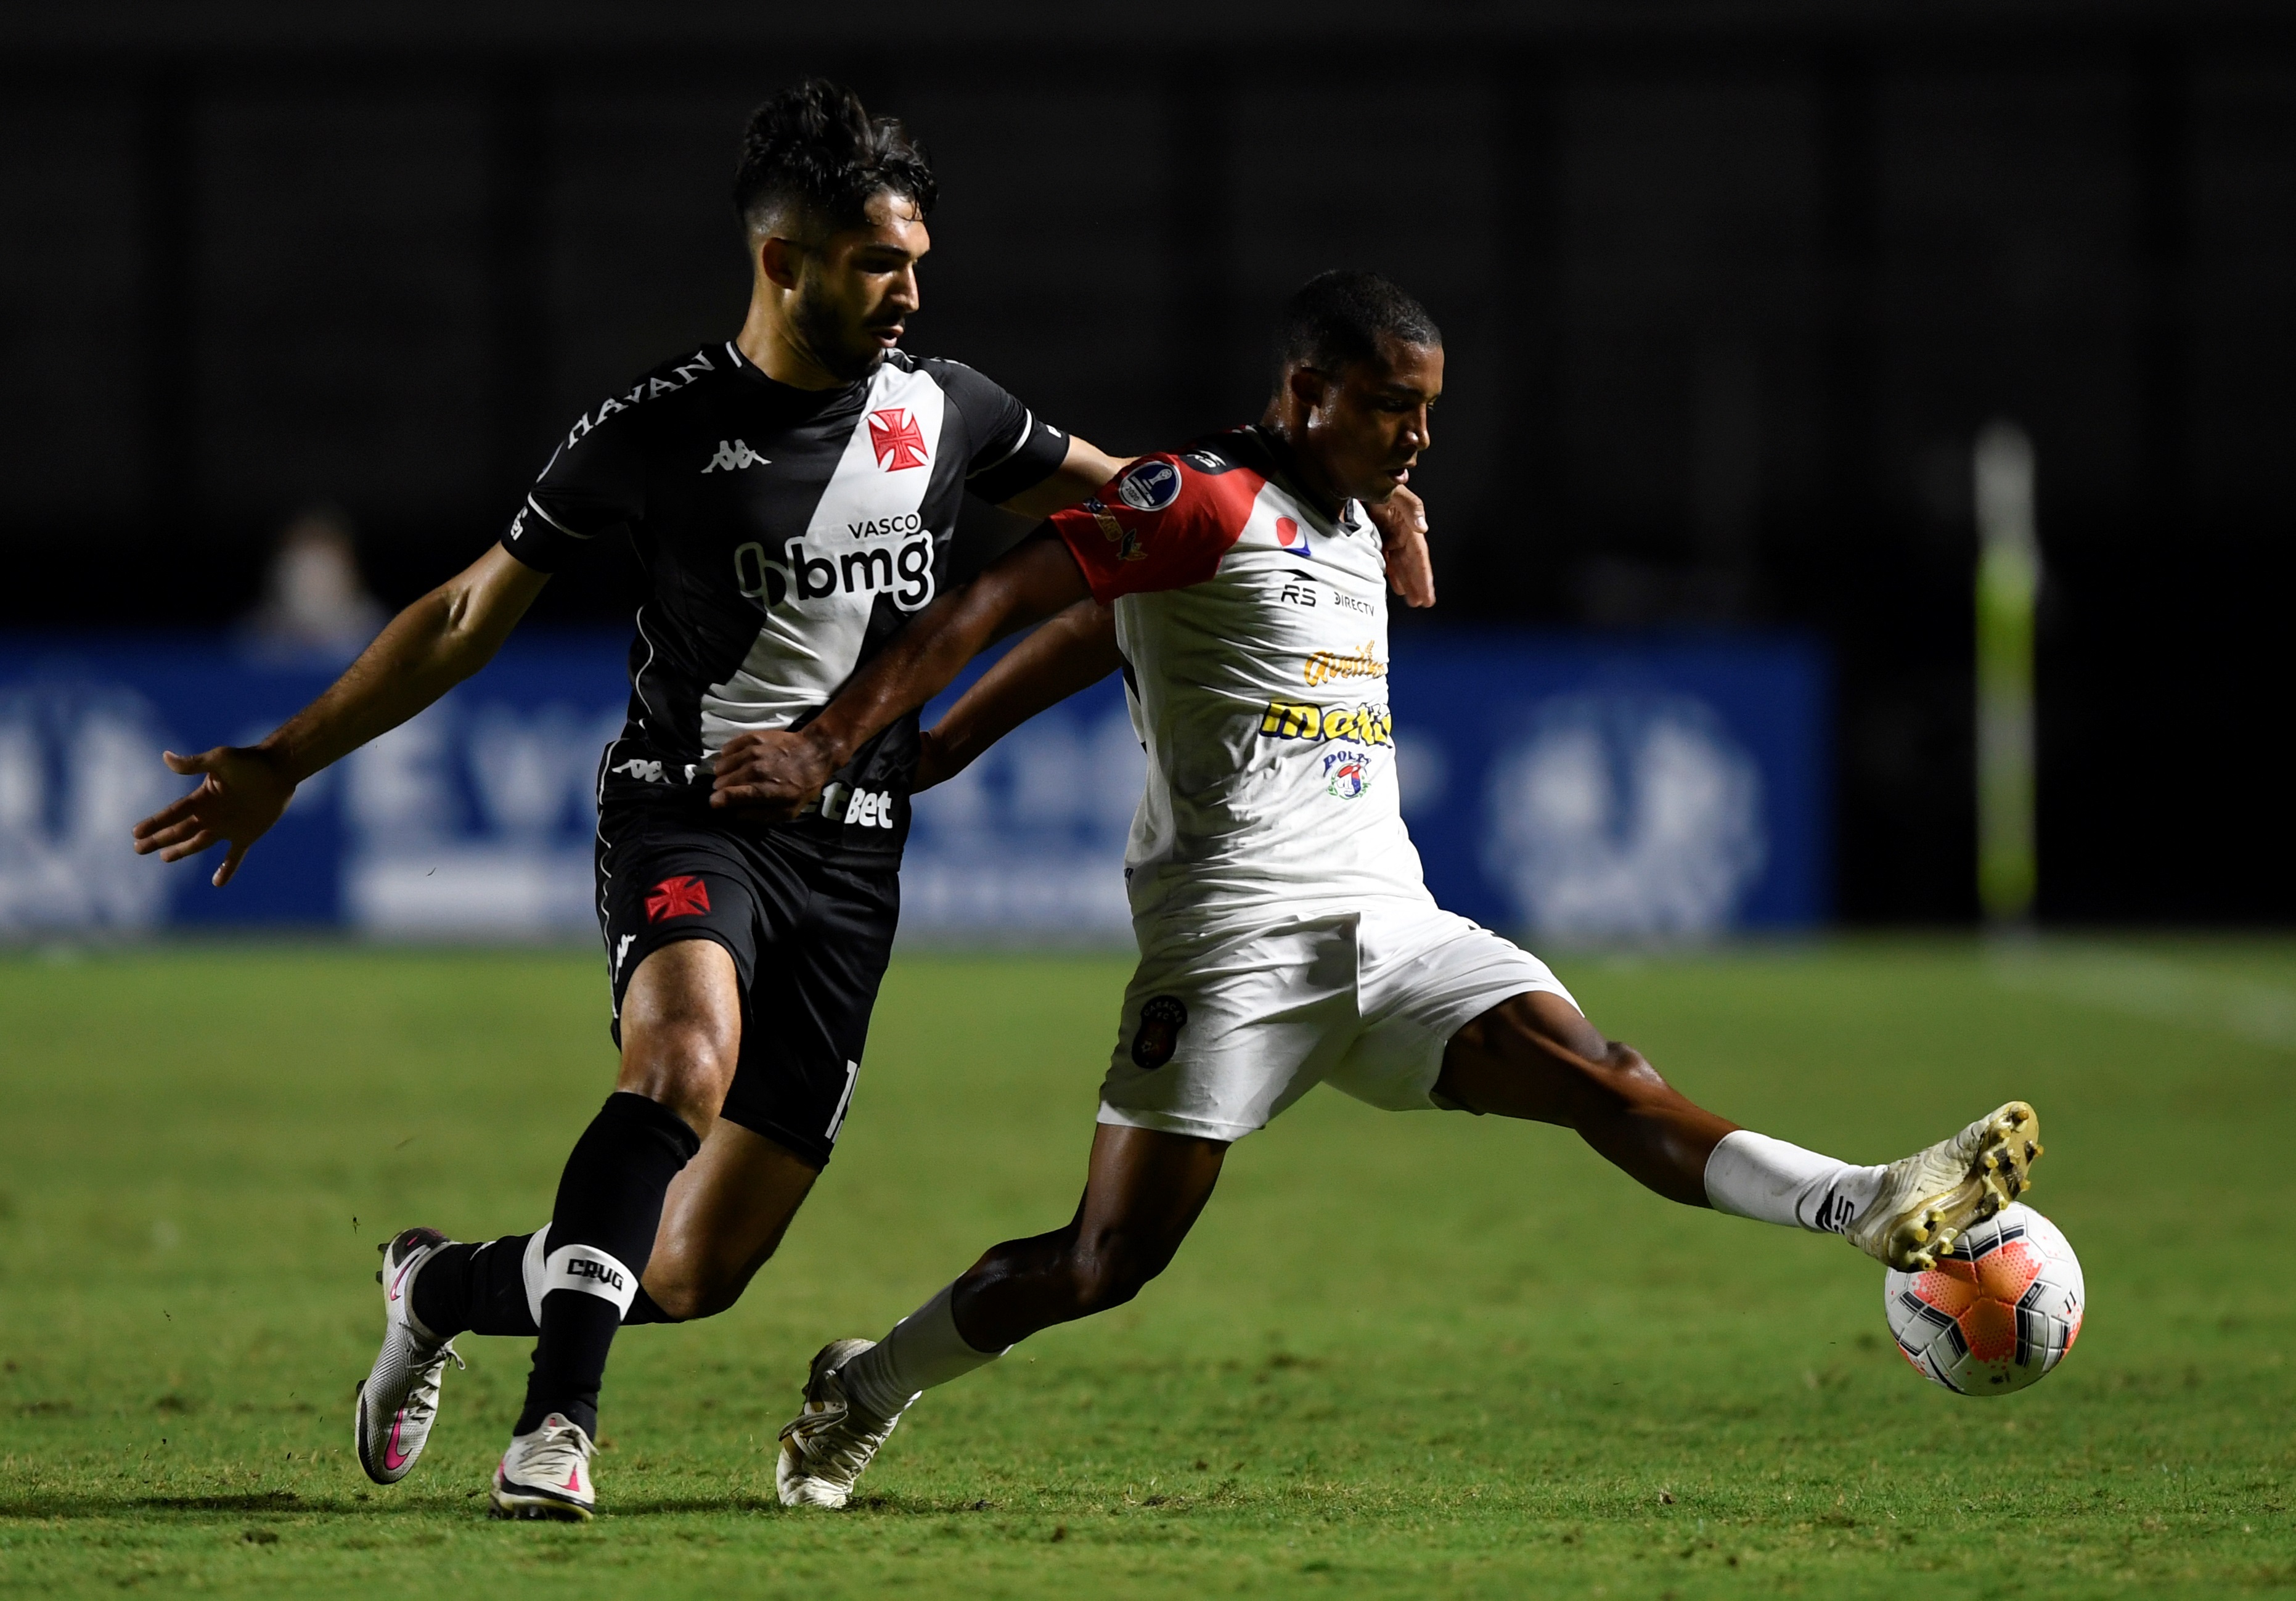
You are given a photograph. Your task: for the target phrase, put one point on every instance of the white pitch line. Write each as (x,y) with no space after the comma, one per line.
(2152,987)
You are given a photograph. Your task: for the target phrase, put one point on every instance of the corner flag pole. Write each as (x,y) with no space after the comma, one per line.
(2008,582)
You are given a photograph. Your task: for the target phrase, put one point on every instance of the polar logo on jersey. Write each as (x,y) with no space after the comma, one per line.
(904,573)
(1159,1035)
(900,443)
(1149,486)
(1347,773)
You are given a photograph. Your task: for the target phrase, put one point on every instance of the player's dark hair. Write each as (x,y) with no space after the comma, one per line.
(814,149)
(1338,318)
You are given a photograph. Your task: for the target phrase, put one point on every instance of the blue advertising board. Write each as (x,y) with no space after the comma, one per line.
(1576,787)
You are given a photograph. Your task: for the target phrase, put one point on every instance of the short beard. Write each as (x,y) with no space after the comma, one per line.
(825,334)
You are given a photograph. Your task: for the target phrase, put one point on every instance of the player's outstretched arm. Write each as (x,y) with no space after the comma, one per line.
(1081,474)
(429,648)
(780,771)
(1071,652)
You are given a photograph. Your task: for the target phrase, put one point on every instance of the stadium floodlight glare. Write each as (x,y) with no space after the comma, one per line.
(2008,582)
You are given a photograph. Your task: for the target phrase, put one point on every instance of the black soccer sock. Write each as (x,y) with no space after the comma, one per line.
(601,1233)
(479,1288)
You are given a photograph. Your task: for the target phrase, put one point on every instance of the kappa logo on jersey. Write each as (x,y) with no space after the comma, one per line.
(638,766)
(732,458)
(1365,724)
(1149,486)
(900,443)
(1348,773)
(682,897)
(1159,1035)
(903,572)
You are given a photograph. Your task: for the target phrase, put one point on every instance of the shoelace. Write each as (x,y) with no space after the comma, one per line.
(425,1391)
(553,1456)
(840,1442)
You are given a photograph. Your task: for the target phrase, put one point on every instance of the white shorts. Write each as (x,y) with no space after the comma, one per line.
(1223,1031)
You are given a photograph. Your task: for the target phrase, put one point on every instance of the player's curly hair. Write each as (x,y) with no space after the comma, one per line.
(1338,318)
(814,149)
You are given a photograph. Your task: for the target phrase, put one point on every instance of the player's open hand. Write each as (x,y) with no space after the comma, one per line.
(1402,522)
(241,794)
(776,773)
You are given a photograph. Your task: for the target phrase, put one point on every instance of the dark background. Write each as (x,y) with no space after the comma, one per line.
(1727,289)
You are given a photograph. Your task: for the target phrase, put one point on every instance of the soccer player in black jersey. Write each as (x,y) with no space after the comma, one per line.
(791,492)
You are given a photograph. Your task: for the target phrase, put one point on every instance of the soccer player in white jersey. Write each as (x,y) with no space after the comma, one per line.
(1286,938)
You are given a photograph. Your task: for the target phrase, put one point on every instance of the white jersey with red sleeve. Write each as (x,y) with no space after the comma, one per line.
(1254,633)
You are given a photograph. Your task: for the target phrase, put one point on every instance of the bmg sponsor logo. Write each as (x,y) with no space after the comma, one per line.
(903,572)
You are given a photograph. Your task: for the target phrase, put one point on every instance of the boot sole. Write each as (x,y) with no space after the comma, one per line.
(2000,1173)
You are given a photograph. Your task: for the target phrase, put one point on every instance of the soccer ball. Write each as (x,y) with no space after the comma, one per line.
(1997,1312)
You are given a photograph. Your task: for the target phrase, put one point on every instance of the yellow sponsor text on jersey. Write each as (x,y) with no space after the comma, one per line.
(1365,724)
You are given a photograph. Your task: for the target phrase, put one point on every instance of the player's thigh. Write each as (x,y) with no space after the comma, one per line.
(1429,979)
(678,908)
(1220,1034)
(723,1218)
(820,964)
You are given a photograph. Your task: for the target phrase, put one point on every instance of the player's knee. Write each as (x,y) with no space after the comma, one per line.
(686,1063)
(683,1298)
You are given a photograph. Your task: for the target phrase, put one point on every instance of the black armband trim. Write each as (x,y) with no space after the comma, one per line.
(1035,457)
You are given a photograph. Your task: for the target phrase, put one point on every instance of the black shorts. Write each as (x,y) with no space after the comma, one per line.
(809,940)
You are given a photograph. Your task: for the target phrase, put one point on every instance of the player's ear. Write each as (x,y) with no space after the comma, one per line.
(778,258)
(1307,386)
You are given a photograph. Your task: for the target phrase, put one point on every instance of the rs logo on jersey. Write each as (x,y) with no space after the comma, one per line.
(900,443)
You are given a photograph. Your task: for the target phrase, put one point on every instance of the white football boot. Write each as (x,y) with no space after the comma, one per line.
(1928,1199)
(399,1401)
(546,1474)
(825,1446)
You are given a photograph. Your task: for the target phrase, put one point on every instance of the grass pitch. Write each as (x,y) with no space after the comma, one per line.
(1402,1356)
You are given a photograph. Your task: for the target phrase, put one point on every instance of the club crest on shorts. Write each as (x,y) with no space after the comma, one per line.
(682,897)
(1159,1030)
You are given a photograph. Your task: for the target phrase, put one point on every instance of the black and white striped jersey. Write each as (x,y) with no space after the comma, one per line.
(788,533)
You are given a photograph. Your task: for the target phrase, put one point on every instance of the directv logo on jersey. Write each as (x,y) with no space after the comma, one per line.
(1149,486)
(733,457)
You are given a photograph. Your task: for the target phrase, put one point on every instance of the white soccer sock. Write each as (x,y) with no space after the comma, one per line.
(923,1349)
(1752,1176)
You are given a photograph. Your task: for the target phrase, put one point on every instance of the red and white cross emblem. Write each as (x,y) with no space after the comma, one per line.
(897,439)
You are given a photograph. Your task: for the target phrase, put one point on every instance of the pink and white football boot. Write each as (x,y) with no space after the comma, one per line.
(399,1401)
(546,1474)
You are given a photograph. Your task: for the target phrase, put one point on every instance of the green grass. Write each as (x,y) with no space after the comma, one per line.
(1402,1356)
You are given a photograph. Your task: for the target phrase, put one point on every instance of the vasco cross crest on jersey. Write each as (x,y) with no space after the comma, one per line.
(685,897)
(900,443)
(1159,1030)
